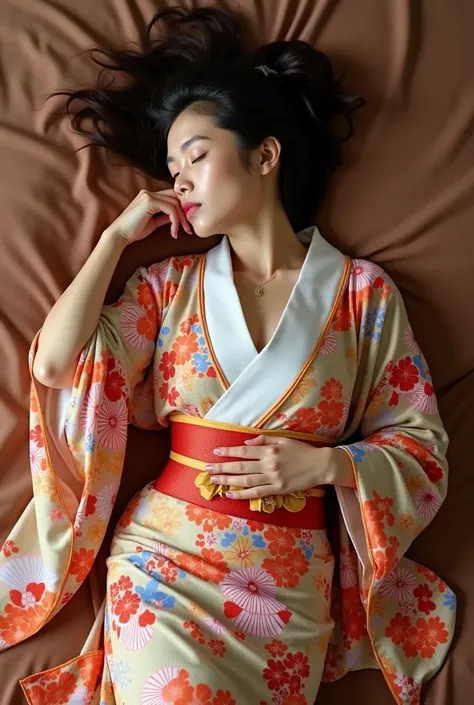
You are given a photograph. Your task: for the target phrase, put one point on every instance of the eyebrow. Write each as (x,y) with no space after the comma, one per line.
(186,144)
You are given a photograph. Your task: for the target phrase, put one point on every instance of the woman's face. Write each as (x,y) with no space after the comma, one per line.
(205,164)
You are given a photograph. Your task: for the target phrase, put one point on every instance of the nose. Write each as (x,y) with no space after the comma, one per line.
(182,186)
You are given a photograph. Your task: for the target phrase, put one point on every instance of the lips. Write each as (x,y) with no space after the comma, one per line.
(190,209)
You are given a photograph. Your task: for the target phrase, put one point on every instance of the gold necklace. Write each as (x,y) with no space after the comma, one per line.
(259,290)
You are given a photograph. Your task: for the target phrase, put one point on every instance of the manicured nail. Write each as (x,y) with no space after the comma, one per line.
(209,468)
(217,451)
(215,480)
(229,495)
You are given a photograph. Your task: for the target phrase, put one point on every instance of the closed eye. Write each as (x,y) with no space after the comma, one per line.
(194,160)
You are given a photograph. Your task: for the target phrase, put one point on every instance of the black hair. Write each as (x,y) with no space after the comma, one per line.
(199,59)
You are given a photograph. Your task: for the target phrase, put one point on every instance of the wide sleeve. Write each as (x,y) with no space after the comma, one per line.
(397,446)
(77,448)
(399,457)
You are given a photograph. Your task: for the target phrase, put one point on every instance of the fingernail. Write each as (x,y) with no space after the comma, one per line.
(229,495)
(217,451)
(209,468)
(215,480)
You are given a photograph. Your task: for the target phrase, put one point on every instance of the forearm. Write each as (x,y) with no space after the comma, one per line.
(342,473)
(74,317)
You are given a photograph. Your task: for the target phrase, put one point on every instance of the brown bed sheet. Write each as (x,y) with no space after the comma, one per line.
(404,199)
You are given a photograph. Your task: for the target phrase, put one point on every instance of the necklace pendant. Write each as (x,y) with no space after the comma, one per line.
(259,291)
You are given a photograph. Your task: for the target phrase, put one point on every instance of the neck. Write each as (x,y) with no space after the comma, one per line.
(266,247)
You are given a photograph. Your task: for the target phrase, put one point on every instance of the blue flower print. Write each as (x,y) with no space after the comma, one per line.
(151,595)
(201,362)
(258,541)
(372,323)
(418,362)
(163,331)
(307,550)
(121,671)
(197,328)
(90,442)
(140,559)
(449,600)
(228,539)
(357,451)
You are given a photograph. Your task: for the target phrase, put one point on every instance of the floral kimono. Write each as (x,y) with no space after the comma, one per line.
(211,600)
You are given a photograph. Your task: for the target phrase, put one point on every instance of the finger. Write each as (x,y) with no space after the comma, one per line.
(234,468)
(240,452)
(255,480)
(253,493)
(173,199)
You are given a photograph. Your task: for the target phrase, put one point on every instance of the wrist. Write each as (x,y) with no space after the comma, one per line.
(341,469)
(114,239)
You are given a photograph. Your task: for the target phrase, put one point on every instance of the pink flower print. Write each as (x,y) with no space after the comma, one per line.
(252,603)
(399,585)
(363,274)
(112,424)
(89,412)
(427,502)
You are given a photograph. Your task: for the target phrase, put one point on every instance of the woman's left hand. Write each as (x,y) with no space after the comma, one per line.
(271,466)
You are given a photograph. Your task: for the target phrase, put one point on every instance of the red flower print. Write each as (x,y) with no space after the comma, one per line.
(374,523)
(218,647)
(125,583)
(433,470)
(59,692)
(145,295)
(184,347)
(178,689)
(90,505)
(167,365)
(297,562)
(343,317)
(298,663)
(279,569)
(114,383)
(185,326)
(332,389)
(216,521)
(9,547)
(423,594)
(196,631)
(410,645)
(173,397)
(384,505)
(36,435)
(306,420)
(240,636)
(164,390)
(331,412)
(276,674)
(398,628)
(280,541)
(353,614)
(126,518)
(427,573)
(430,633)
(405,375)
(223,697)
(294,700)
(127,606)
(146,325)
(81,563)
(276,648)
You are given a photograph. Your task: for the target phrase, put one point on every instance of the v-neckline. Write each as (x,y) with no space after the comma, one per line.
(238,303)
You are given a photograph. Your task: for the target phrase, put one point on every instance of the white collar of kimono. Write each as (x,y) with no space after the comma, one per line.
(257,381)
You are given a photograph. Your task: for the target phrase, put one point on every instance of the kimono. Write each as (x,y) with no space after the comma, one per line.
(342,369)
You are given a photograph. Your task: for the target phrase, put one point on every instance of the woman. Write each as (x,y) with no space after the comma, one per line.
(283,367)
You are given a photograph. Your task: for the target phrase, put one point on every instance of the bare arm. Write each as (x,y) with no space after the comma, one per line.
(74,317)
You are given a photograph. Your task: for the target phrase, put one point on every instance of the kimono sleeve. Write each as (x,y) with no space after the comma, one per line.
(77,448)
(399,462)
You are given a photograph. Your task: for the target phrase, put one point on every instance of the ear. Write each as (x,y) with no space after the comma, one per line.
(270,150)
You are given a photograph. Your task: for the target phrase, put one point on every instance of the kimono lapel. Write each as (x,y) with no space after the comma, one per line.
(260,381)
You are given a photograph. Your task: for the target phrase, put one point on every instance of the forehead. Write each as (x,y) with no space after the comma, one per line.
(187,124)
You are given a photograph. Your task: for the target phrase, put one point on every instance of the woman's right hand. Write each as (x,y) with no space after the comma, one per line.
(147,211)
